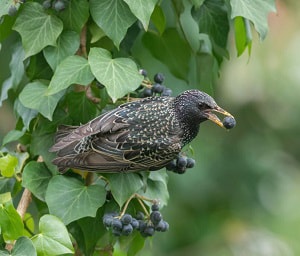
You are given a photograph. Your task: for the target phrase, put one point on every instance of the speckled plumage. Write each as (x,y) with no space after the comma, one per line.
(140,135)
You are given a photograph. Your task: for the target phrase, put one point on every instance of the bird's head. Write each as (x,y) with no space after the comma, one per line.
(196,106)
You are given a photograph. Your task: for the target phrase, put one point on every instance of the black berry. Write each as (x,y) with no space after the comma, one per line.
(134,223)
(190,163)
(12,10)
(171,165)
(154,207)
(229,122)
(167,92)
(140,216)
(126,219)
(181,162)
(147,92)
(143,72)
(47,4)
(158,88)
(149,231)
(127,229)
(59,5)
(155,217)
(159,78)
(162,226)
(116,224)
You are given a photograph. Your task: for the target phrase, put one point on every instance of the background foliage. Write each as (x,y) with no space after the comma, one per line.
(53,71)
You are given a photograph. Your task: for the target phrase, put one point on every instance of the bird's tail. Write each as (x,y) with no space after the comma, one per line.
(62,133)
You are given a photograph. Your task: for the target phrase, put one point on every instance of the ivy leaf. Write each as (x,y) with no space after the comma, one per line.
(243,35)
(67,45)
(35,96)
(158,18)
(75,15)
(36,177)
(123,185)
(8,165)
(37,28)
(10,222)
(70,199)
(170,49)
(113,16)
(157,187)
(80,108)
(23,246)
(142,10)
(120,76)
(26,114)
(13,135)
(16,67)
(256,11)
(53,238)
(72,70)
(212,19)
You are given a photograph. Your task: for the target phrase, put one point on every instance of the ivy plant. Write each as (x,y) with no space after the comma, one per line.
(68,62)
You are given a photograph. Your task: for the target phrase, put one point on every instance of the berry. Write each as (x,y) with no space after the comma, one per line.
(147,92)
(181,162)
(143,72)
(171,165)
(159,78)
(117,232)
(162,226)
(116,224)
(46,4)
(167,92)
(12,10)
(155,217)
(142,225)
(229,122)
(158,88)
(154,207)
(107,220)
(127,229)
(181,170)
(126,219)
(134,223)
(140,216)
(59,5)
(190,163)
(149,231)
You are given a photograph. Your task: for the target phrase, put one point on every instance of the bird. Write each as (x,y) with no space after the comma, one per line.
(141,135)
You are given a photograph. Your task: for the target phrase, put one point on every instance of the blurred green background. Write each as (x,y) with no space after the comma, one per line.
(243,196)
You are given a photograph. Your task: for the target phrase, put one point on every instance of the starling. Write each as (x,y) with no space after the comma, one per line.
(141,135)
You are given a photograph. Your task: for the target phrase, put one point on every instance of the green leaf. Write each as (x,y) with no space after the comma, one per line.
(36,177)
(96,32)
(212,19)
(23,246)
(38,68)
(189,26)
(70,199)
(7,23)
(170,49)
(75,15)
(256,11)
(67,45)
(158,18)
(80,108)
(157,187)
(72,70)
(10,222)
(113,16)
(136,245)
(37,28)
(120,76)
(123,185)
(8,165)
(26,114)
(53,238)
(243,36)
(22,157)
(34,96)
(5,197)
(142,10)
(13,135)
(16,67)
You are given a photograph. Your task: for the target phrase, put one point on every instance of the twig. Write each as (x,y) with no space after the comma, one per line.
(24,203)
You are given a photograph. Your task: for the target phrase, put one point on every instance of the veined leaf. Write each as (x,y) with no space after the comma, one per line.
(120,76)
(35,96)
(72,70)
(256,11)
(37,28)
(70,199)
(142,10)
(113,16)
(53,238)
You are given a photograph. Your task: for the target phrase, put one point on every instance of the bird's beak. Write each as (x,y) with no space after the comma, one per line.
(212,117)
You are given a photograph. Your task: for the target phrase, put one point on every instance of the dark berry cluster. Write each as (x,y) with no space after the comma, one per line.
(180,164)
(229,122)
(157,88)
(57,5)
(124,225)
